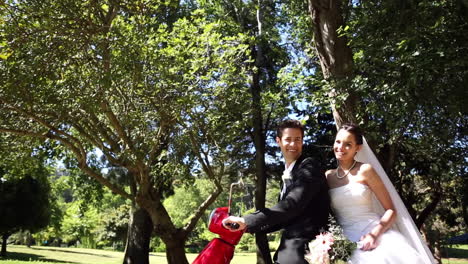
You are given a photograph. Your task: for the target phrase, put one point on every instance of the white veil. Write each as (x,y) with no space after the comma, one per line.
(404,223)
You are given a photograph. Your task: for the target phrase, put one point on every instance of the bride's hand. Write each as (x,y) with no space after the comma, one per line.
(368,242)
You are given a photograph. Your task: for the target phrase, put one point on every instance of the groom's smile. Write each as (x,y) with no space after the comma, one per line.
(290,144)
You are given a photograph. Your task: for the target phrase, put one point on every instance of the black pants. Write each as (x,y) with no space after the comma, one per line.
(291,251)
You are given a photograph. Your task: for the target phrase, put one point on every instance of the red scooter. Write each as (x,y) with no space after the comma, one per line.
(220,250)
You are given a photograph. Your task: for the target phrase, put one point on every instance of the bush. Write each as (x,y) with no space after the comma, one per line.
(156,245)
(247,243)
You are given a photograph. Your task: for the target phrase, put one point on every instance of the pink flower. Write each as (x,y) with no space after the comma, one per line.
(325,241)
(319,249)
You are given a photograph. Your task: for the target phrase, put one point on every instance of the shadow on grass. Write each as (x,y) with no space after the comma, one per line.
(72,252)
(30,257)
(455,252)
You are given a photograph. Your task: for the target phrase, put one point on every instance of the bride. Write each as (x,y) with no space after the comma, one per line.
(368,207)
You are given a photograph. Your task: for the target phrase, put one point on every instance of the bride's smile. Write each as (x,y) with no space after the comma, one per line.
(345,146)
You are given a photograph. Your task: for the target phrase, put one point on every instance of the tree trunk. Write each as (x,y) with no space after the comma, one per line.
(4,244)
(465,211)
(174,238)
(263,249)
(335,56)
(175,250)
(429,209)
(29,239)
(138,238)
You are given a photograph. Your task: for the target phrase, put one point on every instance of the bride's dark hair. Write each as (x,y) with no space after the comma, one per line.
(355,130)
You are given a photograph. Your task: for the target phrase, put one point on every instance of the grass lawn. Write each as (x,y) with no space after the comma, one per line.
(57,255)
(457,254)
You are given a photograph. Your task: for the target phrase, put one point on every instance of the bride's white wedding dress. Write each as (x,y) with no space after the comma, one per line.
(355,212)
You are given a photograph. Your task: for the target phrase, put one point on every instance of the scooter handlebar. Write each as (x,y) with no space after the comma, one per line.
(232,226)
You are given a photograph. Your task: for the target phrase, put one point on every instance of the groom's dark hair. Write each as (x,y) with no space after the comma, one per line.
(289,123)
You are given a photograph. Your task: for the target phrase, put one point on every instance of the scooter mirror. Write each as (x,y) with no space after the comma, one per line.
(211,217)
(240,183)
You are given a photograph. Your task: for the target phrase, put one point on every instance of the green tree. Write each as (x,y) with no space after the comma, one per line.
(25,201)
(85,216)
(268,100)
(24,205)
(120,78)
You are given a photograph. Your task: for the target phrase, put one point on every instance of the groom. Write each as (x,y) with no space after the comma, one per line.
(303,206)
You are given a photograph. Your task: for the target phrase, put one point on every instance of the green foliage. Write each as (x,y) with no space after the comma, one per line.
(247,244)
(25,201)
(412,77)
(186,199)
(183,204)
(79,221)
(152,87)
(342,247)
(80,226)
(24,204)
(161,74)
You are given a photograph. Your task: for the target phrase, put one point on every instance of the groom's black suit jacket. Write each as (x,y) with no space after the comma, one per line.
(303,211)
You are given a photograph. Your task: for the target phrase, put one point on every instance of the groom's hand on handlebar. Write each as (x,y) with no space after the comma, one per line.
(234,223)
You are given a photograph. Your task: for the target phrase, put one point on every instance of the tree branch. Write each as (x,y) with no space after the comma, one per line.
(427,211)
(115,123)
(206,166)
(105,133)
(79,154)
(202,208)
(98,143)
(160,144)
(82,164)
(44,123)
(24,133)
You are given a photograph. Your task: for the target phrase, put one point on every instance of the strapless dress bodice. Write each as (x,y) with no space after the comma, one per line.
(353,208)
(353,205)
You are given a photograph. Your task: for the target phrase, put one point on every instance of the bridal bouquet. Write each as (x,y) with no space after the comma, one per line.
(330,247)
(319,249)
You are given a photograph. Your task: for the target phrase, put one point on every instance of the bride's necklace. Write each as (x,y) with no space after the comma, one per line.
(346,174)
